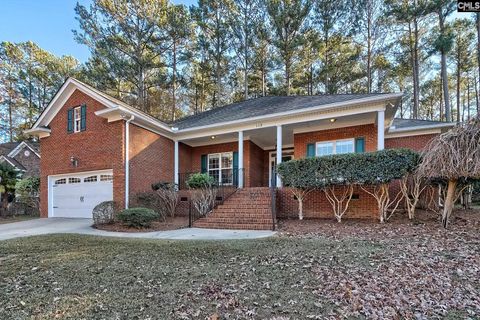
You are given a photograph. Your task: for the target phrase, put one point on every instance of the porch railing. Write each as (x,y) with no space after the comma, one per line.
(223,190)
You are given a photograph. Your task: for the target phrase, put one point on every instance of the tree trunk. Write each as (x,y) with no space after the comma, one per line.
(477,16)
(449,202)
(369,52)
(416,82)
(444,69)
(300,208)
(10,113)
(458,84)
(174,79)
(413,64)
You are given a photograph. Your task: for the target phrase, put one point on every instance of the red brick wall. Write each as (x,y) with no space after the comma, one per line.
(151,159)
(368,131)
(316,205)
(184,158)
(416,143)
(253,165)
(252,159)
(100,146)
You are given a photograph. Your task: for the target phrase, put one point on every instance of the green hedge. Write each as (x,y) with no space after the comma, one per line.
(137,217)
(200,180)
(353,168)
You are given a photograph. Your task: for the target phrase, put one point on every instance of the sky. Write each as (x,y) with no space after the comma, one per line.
(49,23)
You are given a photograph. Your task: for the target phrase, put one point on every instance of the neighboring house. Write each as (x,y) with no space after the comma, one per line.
(97,148)
(24,156)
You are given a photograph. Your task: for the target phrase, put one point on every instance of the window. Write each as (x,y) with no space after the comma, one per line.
(90,179)
(335,147)
(74,180)
(61,181)
(106,177)
(77,119)
(220,167)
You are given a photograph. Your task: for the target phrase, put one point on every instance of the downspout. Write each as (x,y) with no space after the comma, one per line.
(127,159)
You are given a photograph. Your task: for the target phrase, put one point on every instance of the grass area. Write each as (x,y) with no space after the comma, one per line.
(16,219)
(73,277)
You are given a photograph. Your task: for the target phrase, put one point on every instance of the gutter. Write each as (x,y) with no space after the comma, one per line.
(127,159)
(407,129)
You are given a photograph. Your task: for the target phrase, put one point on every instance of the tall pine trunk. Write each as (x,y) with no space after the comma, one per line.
(174,79)
(444,68)
(477,16)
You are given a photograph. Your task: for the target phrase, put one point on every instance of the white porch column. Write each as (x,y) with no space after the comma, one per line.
(240,159)
(381,130)
(279,151)
(175,164)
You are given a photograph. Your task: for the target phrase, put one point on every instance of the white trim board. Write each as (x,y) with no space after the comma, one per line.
(412,133)
(19,148)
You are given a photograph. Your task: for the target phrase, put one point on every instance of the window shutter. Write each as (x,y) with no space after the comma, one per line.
(235,169)
(70,121)
(310,150)
(83,122)
(360,145)
(204,160)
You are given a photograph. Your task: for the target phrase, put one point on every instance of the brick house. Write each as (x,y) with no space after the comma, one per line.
(97,148)
(24,156)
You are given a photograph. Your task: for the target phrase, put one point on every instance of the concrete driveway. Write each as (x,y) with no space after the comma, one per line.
(83,226)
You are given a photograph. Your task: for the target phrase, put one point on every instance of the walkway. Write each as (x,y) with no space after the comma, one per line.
(83,226)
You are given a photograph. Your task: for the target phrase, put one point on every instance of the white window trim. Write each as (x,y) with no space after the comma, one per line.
(334,142)
(220,167)
(77,122)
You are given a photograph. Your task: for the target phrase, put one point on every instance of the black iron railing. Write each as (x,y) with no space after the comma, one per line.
(222,191)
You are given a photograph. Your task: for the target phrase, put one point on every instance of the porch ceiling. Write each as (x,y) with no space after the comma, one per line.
(265,138)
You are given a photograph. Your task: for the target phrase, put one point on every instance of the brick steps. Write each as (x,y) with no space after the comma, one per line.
(248,208)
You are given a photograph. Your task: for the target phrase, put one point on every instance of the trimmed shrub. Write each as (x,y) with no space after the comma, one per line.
(200,180)
(204,192)
(168,194)
(137,217)
(103,213)
(151,201)
(375,169)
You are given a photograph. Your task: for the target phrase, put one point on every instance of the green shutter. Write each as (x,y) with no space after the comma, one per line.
(83,122)
(360,145)
(70,121)
(204,160)
(310,150)
(235,168)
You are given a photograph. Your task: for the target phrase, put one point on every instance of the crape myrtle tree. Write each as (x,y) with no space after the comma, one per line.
(337,176)
(376,170)
(454,157)
(297,175)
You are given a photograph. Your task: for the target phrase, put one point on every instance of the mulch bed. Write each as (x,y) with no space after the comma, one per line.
(170,224)
(398,226)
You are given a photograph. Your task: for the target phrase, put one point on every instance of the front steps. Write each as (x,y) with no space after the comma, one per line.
(247,208)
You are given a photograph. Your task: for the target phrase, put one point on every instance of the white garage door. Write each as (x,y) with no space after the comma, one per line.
(75,195)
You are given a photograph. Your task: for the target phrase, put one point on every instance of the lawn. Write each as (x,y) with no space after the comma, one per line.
(386,271)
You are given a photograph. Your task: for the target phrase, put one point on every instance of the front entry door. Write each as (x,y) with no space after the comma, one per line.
(287,155)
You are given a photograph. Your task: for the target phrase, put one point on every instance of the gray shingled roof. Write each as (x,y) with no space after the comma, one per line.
(6,148)
(263,106)
(14,162)
(399,123)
